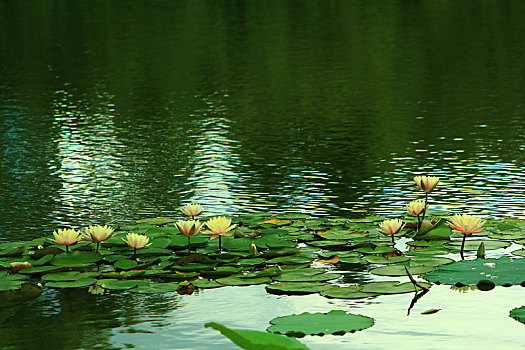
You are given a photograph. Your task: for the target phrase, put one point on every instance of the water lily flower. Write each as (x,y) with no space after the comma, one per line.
(66,237)
(189,228)
(98,233)
(220,226)
(192,210)
(253,250)
(391,227)
(426,183)
(415,208)
(136,241)
(466,224)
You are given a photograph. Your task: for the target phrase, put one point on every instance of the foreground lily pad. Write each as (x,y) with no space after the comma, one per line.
(81,282)
(333,322)
(351,292)
(518,314)
(502,271)
(390,287)
(292,288)
(306,275)
(76,259)
(256,340)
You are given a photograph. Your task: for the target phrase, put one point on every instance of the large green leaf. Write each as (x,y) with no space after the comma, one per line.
(351,292)
(292,288)
(440,231)
(306,275)
(76,258)
(333,322)
(502,271)
(518,314)
(256,340)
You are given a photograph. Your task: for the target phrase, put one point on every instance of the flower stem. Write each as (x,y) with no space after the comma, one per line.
(220,243)
(424,211)
(393,242)
(135,253)
(462,247)
(189,245)
(98,244)
(67,249)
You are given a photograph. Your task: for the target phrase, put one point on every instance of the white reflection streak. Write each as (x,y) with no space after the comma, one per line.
(86,144)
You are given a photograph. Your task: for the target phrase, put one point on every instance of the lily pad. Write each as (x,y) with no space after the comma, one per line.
(501,271)
(125,264)
(473,245)
(204,283)
(399,270)
(306,275)
(333,322)
(374,259)
(256,340)
(81,282)
(237,281)
(68,276)
(390,287)
(351,292)
(76,259)
(518,314)
(296,288)
(153,287)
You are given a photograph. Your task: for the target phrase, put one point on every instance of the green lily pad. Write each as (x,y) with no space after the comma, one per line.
(76,259)
(68,276)
(374,259)
(333,322)
(81,282)
(121,284)
(237,281)
(518,314)
(440,231)
(155,221)
(306,275)
(296,288)
(390,287)
(256,340)
(518,252)
(290,260)
(203,283)
(501,271)
(40,270)
(399,270)
(153,287)
(376,250)
(351,292)
(473,245)
(125,264)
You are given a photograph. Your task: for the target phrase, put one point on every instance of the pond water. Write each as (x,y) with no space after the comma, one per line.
(112,111)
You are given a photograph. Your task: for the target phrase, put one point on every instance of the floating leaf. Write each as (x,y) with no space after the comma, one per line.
(518,314)
(390,287)
(256,340)
(374,259)
(399,270)
(153,287)
(155,221)
(237,281)
(76,259)
(68,276)
(306,275)
(468,272)
(81,282)
(125,264)
(333,322)
(296,288)
(351,292)
(430,311)
(473,245)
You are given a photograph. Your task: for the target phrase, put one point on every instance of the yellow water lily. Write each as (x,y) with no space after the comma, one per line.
(466,224)
(415,208)
(426,183)
(98,233)
(66,237)
(192,210)
(136,241)
(189,228)
(391,227)
(220,226)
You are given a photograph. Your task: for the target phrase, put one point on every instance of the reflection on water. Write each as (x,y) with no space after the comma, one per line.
(111,112)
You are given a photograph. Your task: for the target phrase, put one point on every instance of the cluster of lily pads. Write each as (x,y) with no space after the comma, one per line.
(289,253)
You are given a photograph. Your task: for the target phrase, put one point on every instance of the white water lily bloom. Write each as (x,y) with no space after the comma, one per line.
(189,227)
(466,224)
(66,237)
(137,241)
(391,227)
(192,209)
(415,208)
(220,226)
(98,233)
(426,183)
